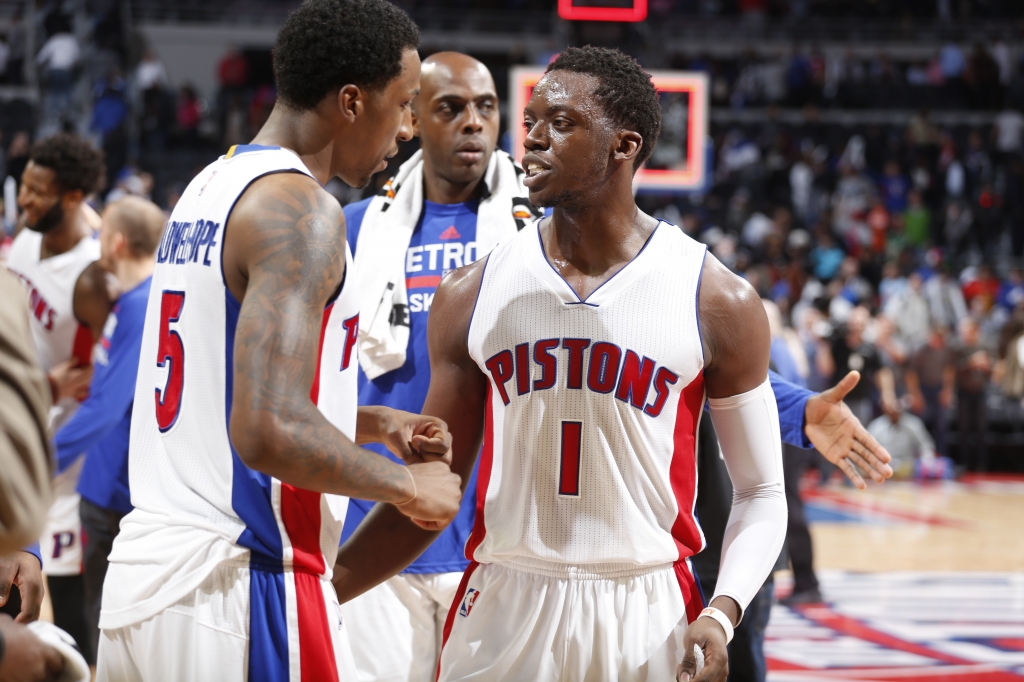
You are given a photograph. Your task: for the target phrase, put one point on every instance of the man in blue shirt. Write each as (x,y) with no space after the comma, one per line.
(396,627)
(129,235)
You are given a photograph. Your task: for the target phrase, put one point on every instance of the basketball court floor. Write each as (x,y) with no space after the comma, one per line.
(921,582)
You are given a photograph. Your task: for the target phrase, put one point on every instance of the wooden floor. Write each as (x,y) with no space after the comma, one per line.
(921,582)
(974,526)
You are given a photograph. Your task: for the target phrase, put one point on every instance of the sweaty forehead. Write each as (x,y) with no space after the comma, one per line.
(566,89)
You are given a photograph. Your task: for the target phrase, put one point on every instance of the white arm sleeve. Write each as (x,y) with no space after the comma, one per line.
(748,431)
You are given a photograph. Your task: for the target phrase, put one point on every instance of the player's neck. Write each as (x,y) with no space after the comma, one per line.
(440,190)
(65,236)
(303,133)
(131,272)
(599,235)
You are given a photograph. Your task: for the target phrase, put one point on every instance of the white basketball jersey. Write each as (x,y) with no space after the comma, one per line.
(57,334)
(196,503)
(593,408)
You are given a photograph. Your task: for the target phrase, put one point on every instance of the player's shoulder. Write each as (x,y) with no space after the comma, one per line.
(725,292)
(287,196)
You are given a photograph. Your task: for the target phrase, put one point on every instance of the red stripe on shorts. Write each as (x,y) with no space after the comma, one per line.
(688,588)
(316,646)
(456,603)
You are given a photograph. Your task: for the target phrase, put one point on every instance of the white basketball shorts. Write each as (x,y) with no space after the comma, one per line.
(569,623)
(395,628)
(238,626)
(60,545)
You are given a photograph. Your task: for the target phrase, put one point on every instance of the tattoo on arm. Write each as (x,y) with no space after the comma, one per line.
(294,262)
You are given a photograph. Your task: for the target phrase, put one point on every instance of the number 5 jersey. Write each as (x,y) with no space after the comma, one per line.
(197,505)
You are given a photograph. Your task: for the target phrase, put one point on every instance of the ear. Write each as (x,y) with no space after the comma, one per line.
(628,146)
(120,244)
(70,201)
(351,102)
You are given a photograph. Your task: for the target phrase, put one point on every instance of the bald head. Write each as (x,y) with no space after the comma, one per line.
(456,119)
(140,222)
(444,69)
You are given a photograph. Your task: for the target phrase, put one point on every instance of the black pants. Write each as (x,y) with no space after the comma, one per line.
(934,417)
(67,594)
(971,425)
(798,537)
(101,527)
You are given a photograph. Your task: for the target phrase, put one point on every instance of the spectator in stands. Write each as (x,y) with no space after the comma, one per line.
(129,235)
(945,299)
(16,38)
(910,312)
(18,155)
(188,116)
(917,220)
(233,71)
(973,369)
(58,59)
(847,350)
(1011,357)
(930,379)
(894,187)
(109,120)
(1011,291)
(906,439)
(983,283)
(1007,133)
(982,79)
(151,79)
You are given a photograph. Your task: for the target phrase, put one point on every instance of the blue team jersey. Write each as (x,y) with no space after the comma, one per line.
(100,427)
(444,239)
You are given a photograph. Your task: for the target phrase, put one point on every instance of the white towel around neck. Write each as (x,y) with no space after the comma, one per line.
(384,237)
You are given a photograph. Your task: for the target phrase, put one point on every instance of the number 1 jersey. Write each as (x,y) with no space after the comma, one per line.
(196,503)
(592,409)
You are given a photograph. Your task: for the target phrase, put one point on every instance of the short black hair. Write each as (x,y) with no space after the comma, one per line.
(325,45)
(626,91)
(75,163)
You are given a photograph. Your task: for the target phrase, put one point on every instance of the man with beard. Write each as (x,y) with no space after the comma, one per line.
(68,304)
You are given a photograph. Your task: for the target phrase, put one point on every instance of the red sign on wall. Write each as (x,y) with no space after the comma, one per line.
(570,12)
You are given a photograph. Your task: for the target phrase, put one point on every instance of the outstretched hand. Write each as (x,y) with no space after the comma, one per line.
(840,437)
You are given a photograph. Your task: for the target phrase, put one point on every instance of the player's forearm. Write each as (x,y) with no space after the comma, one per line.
(748,430)
(370,421)
(302,448)
(385,543)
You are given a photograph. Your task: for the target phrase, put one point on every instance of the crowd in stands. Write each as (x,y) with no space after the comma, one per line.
(894,251)
(981,77)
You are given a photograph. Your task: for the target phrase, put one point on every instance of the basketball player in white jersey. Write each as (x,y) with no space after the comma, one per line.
(581,353)
(68,300)
(245,424)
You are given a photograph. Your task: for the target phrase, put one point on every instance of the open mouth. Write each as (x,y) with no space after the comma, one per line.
(535,171)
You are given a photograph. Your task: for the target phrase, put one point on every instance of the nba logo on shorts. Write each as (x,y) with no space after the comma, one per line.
(467,602)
